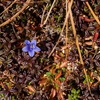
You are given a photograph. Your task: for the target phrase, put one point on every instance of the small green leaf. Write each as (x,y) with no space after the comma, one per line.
(48,74)
(61,79)
(1,95)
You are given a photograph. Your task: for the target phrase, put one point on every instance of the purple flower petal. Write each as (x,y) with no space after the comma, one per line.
(33,42)
(27,42)
(25,49)
(31,53)
(31,47)
(37,49)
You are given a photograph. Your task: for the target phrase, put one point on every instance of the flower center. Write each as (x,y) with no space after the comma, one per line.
(31,47)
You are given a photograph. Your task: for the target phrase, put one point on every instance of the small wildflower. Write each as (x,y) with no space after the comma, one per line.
(31,47)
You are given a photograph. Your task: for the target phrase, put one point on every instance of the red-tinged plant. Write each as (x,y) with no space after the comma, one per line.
(19,28)
(52,81)
(85,18)
(95,37)
(31,89)
(53,93)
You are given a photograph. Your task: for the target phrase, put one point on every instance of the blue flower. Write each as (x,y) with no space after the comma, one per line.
(31,47)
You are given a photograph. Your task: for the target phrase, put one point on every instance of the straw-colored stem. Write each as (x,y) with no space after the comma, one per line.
(49,12)
(67,15)
(92,12)
(13,17)
(8,7)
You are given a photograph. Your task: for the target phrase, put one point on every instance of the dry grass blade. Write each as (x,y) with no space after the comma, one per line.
(49,12)
(8,7)
(9,20)
(43,13)
(67,15)
(77,44)
(66,28)
(95,17)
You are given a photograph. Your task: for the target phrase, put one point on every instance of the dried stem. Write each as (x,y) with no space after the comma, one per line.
(43,13)
(92,12)
(49,12)
(77,44)
(67,15)
(12,18)
(8,7)
(75,36)
(66,28)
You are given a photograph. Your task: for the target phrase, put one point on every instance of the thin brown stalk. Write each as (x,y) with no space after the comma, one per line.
(59,37)
(13,17)
(66,28)
(92,12)
(49,12)
(8,7)
(67,15)
(77,44)
(43,13)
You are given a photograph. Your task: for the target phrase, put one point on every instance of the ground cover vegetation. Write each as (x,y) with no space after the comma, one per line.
(49,50)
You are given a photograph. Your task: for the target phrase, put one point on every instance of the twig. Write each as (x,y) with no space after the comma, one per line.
(95,17)
(43,13)
(60,34)
(66,28)
(8,7)
(36,2)
(49,12)
(9,20)
(77,44)
(75,36)
(67,15)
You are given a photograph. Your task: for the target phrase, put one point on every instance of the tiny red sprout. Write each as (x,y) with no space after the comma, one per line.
(95,37)
(85,18)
